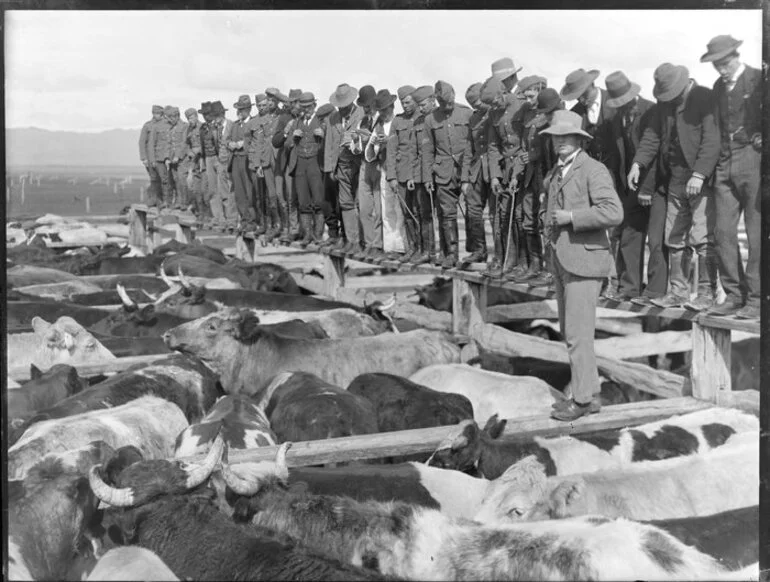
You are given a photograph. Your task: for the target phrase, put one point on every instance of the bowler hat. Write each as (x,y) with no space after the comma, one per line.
(404,91)
(189,111)
(244,102)
(422,93)
(343,95)
(504,68)
(719,47)
(444,91)
(473,94)
(366,95)
(577,82)
(548,100)
(324,110)
(620,90)
(157,109)
(670,81)
(295,94)
(217,108)
(306,98)
(384,99)
(566,123)
(530,81)
(205,108)
(491,89)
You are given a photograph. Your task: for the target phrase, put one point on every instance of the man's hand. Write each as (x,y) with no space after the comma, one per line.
(561,217)
(297,133)
(465,188)
(694,186)
(239,144)
(393,185)
(382,139)
(633,177)
(644,198)
(410,185)
(364,133)
(333,176)
(167,163)
(318,132)
(260,172)
(524,157)
(756,141)
(496,186)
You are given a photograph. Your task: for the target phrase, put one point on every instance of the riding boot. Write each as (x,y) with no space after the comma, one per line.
(306,223)
(535,258)
(451,254)
(318,226)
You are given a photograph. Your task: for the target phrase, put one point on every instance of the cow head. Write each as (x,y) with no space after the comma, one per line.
(437,295)
(379,311)
(49,512)
(514,495)
(184,300)
(129,320)
(461,451)
(66,341)
(58,374)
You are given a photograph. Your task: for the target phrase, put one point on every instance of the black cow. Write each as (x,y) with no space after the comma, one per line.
(201,267)
(127,266)
(173,246)
(134,321)
(44,390)
(268,277)
(438,295)
(146,282)
(109,297)
(161,506)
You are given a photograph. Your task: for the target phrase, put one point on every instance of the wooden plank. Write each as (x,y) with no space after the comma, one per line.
(469,305)
(730,323)
(426,440)
(334,275)
(747,400)
(545,309)
(644,344)
(137,233)
(659,382)
(21,373)
(710,367)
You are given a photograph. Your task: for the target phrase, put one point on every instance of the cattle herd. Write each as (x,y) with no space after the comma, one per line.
(128,475)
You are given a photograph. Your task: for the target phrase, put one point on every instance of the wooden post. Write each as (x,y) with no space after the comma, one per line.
(469,305)
(23,193)
(137,230)
(88,205)
(334,275)
(183,233)
(141,193)
(710,368)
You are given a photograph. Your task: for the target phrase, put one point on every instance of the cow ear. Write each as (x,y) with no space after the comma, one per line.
(248,327)
(566,494)
(494,427)
(40,325)
(34,372)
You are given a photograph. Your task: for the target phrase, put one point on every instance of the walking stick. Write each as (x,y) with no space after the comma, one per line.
(510,227)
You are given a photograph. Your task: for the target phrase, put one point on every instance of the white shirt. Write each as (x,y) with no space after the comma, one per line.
(567,164)
(595,108)
(373,149)
(734,79)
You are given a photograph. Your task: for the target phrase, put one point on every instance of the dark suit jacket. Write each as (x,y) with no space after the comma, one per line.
(697,129)
(598,147)
(620,156)
(742,105)
(587,190)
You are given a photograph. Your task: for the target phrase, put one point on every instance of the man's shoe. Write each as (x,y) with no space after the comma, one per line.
(516,271)
(544,279)
(700,303)
(727,308)
(494,269)
(747,312)
(612,295)
(475,257)
(572,411)
(594,406)
(669,300)
(420,258)
(449,262)
(643,300)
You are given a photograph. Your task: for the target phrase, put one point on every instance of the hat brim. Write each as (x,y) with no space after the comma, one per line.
(391,101)
(710,57)
(365,103)
(674,91)
(590,77)
(344,102)
(565,129)
(503,75)
(243,105)
(626,97)
(550,109)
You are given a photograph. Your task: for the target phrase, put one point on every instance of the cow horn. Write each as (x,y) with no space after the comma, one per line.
(111,495)
(164,276)
(390,304)
(281,468)
(201,472)
(127,301)
(182,279)
(249,488)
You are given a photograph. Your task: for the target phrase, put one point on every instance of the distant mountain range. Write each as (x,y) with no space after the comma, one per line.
(31,146)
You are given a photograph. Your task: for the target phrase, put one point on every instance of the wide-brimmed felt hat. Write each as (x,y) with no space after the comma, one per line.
(157,108)
(324,110)
(343,95)
(473,93)
(244,102)
(217,108)
(719,47)
(294,94)
(670,81)
(548,100)
(366,95)
(404,91)
(205,108)
(577,82)
(566,123)
(504,68)
(422,93)
(384,99)
(307,98)
(620,90)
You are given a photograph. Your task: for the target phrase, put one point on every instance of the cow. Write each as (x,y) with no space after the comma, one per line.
(697,485)
(131,320)
(195,250)
(131,563)
(268,277)
(418,543)
(19,314)
(126,266)
(148,423)
(438,295)
(200,267)
(180,380)
(147,282)
(48,515)
(247,356)
(63,342)
(687,434)
(303,407)
(62,291)
(111,297)
(166,508)
(490,392)
(337,323)
(242,424)
(44,390)
(401,404)
(123,347)
(27,275)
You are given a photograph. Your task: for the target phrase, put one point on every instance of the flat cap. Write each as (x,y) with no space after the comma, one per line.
(444,91)
(404,91)
(491,90)
(157,108)
(324,110)
(422,93)
(473,93)
(530,81)
(190,111)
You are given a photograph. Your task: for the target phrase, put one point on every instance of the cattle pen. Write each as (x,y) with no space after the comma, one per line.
(471,322)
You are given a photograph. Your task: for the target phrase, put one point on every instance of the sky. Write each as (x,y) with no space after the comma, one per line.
(96,70)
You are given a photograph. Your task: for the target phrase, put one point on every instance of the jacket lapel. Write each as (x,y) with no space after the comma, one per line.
(573,168)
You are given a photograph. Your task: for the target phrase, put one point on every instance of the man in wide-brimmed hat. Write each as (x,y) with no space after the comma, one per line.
(286,191)
(683,141)
(243,186)
(448,141)
(505,71)
(331,206)
(592,108)
(738,93)
(222,202)
(644,212)
(154,190)
(341,163)
(582,205)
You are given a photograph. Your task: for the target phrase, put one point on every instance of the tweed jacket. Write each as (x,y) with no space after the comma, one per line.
(624,143)
(447,142)
(258,141)
(696,127)
(339,137)
(225,131)
(582,247)
(398,163)
(419,143)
